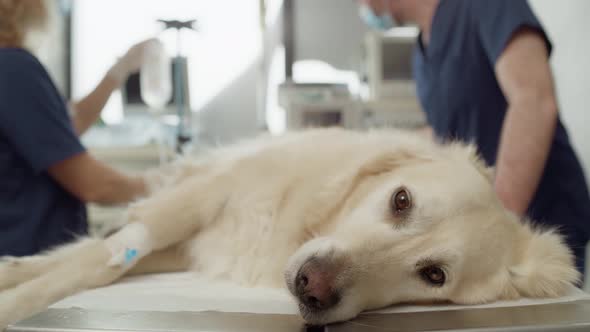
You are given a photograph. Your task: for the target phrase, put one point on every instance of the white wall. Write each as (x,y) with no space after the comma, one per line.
(569,28)
(330,31)
(222,54)
(50,46)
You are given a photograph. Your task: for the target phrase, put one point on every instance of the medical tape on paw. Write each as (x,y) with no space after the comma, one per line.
(129,245)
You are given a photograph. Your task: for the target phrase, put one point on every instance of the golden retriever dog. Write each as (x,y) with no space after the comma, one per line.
(348,221)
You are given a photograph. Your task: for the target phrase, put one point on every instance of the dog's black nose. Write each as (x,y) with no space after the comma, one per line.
(314,287)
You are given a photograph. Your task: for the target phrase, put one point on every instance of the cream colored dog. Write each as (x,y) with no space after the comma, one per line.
(349,221)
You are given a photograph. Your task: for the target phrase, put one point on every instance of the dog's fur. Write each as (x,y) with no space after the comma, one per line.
(262,211)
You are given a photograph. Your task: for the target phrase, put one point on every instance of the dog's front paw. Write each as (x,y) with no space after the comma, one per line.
(14,308)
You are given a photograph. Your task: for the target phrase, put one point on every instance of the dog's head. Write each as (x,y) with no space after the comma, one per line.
(422,226)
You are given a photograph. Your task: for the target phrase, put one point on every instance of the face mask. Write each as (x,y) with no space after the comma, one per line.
(381,22)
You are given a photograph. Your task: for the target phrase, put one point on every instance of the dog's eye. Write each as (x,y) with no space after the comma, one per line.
(401,200)
(433,275)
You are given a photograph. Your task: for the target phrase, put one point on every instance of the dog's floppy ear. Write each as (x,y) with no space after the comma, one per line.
(386,162)
(469,152)
(545,267)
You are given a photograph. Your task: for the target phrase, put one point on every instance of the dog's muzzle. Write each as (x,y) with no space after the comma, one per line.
(315,287)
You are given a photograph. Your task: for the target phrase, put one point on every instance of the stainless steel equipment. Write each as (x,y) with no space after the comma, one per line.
(569,316)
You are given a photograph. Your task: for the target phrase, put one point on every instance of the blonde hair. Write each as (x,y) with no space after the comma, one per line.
(18,17)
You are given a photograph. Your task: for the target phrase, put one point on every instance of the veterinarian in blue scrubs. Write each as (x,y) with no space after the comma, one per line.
(483,76)
(46,175)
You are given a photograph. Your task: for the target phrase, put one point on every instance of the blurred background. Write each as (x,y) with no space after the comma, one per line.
(252,63)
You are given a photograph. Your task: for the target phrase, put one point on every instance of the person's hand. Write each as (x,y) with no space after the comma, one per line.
(130,62)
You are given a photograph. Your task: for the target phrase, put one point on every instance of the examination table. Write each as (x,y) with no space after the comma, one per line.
(188,302)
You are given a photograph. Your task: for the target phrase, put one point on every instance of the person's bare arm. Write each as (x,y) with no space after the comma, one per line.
(525,77)
(86,111)
(92,181)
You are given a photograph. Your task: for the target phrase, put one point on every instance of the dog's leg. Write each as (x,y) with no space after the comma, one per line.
(17,270)
(166,219)
(175,214)
(173,259)
(85,269)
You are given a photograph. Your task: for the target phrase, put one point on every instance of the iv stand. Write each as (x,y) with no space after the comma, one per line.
(182,93)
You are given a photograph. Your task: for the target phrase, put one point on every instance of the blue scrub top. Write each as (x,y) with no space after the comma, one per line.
(36,213)
(462,99)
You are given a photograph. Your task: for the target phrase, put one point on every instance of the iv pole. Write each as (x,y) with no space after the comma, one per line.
(182,93)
